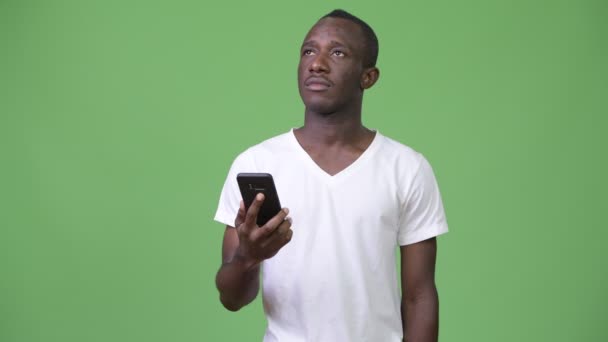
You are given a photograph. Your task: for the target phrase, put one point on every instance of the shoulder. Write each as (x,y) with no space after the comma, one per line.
(268,148)
(412,172)
(402,156)
(275,144)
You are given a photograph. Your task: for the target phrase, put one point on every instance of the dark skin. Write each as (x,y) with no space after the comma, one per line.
(332,76)
(244,249)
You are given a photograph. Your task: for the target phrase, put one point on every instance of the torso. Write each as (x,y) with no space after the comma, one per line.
(336,280)
(336,157)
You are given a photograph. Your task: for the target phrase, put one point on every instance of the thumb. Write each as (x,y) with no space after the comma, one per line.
(240,216)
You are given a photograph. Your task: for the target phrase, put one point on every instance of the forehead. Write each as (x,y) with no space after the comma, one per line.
(336,29)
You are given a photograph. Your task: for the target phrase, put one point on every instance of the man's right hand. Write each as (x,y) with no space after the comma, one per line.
(259,243)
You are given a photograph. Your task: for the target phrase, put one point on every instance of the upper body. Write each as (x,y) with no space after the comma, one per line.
(336,280)
(354,196)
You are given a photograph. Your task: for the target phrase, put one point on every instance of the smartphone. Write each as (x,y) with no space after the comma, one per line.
(252,184)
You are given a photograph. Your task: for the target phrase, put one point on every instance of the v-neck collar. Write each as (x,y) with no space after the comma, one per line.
(311,164)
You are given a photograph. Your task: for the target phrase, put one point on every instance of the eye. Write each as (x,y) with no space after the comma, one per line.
(338,53)
(307,52)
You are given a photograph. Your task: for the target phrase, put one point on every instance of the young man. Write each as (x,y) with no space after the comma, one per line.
(329,271)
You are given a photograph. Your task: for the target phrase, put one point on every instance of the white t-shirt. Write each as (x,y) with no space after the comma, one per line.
(336,280)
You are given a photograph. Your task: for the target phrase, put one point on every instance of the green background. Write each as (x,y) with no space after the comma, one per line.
(119,121)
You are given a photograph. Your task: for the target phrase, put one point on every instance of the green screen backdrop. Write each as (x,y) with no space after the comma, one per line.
(119,121)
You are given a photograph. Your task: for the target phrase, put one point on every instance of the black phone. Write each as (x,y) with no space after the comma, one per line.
(252,184)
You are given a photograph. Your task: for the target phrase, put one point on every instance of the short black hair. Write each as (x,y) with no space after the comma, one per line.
(371,41)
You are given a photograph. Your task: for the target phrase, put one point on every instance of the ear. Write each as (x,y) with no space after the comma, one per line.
(369,77)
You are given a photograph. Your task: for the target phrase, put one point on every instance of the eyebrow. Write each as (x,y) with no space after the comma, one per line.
(332,43)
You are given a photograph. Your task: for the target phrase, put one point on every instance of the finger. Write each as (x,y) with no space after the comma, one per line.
(274,222)
(288,236)
(277,241)
(283,227)
(276,235)
(240,216)
(252,213)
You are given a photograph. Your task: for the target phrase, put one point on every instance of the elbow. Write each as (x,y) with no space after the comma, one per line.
(230,305)
(235,292)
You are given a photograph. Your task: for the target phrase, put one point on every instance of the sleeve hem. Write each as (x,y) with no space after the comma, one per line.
(223,218)
(424,234)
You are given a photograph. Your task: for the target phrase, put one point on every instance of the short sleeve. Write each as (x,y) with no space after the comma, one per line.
(230,197)
(422,215)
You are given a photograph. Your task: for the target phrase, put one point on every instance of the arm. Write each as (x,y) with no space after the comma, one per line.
(419,303)
(244,248)
(238,279)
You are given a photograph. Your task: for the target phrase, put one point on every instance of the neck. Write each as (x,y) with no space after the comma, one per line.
(336,128)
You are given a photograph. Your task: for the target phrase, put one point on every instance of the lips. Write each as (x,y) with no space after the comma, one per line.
(316,83)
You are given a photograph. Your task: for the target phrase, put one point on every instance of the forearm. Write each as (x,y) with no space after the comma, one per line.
(421,316)
(238,282)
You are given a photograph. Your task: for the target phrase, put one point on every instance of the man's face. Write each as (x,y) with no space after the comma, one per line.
(330,69)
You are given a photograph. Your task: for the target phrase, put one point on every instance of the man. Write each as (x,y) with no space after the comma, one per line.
(329,270)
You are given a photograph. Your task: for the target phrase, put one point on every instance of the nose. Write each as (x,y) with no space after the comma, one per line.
(319,64)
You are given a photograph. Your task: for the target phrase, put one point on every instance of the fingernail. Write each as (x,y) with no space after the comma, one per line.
(286,210)
(259,197)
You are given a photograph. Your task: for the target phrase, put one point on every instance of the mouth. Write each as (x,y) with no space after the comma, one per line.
(317,84)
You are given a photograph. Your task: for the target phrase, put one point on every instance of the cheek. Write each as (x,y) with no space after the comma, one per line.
(303,64)
(301,69)
(352,79)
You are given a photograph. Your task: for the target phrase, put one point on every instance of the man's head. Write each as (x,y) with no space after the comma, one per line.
(368,35)
(337,62)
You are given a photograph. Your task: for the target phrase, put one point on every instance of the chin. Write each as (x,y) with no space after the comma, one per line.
(319,105)
(324,109)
